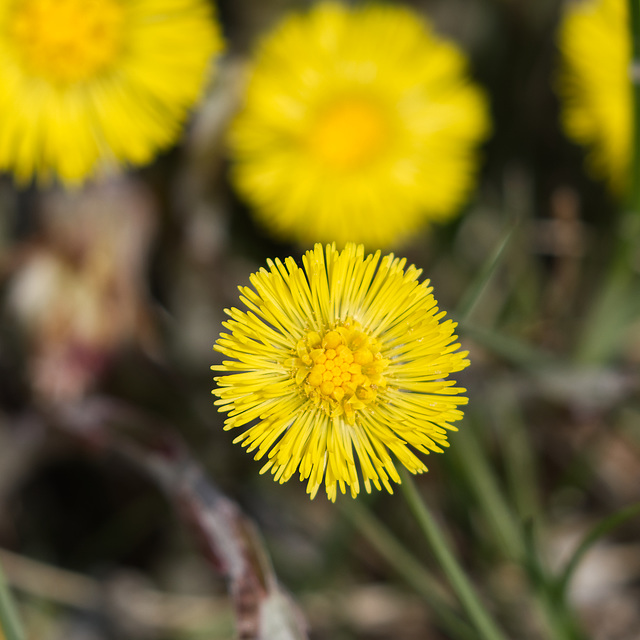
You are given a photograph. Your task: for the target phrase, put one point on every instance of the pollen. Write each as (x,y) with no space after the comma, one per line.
(349,134)
(67,41)
(342,370)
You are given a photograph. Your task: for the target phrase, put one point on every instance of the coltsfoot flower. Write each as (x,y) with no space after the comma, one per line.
(86,84)
(351,114)
(595,85)
(339,369)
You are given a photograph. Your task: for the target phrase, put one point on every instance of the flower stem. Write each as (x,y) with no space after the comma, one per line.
(478,614)
(409,567)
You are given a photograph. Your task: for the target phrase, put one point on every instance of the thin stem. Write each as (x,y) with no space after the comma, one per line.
(9,620)
(480,617)
(407,566)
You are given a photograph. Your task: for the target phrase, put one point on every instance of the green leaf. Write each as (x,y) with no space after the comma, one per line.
(9,619)
(531,561)
(601,529)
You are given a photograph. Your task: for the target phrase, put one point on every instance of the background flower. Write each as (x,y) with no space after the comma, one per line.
(343,360)
(595,87)
(358,124)
(85,85)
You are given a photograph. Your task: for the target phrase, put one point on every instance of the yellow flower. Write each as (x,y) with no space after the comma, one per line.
(88,84)
(358,125)
(595,87)
(337,366)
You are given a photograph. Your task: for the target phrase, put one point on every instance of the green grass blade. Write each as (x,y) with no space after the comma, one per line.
(474,292)
(9,619)
(511,349)
(601,529)
(409,567)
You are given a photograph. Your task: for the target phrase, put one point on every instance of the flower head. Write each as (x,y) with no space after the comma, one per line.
(595,86)
(88,83)
(339,365)
(351,114)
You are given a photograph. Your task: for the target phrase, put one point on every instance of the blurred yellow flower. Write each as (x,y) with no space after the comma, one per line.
(358,125)
(339,365)
(88,84)
(595,86)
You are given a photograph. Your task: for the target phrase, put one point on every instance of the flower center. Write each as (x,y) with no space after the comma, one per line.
(342,370)
(67,40)
(349,134)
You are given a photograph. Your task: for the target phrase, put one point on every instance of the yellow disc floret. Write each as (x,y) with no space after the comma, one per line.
(349,134)
(342,370)
(67,41)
